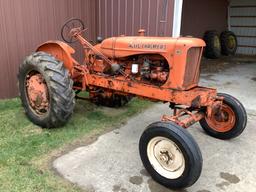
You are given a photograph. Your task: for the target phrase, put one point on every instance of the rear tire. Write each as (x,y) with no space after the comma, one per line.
(170,155)
(213,45)
(51,105)
(234,123)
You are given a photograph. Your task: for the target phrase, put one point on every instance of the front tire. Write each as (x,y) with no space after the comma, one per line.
(229,123)
(46,90)
(170,155)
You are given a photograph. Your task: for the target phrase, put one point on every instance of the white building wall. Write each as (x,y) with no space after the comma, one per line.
(242,21)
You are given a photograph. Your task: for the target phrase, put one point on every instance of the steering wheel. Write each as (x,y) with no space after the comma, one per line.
(68,26)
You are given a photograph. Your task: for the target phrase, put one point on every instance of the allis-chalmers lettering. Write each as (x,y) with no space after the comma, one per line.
(147,46)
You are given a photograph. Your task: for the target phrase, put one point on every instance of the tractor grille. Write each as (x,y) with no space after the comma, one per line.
(192,67)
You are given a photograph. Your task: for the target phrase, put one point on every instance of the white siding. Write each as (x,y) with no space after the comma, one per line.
(249,11)
(243,31)
(242,2)
(247,41)
(241,21)
(242,15)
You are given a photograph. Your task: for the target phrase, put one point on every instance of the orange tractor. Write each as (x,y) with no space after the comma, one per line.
(119,68)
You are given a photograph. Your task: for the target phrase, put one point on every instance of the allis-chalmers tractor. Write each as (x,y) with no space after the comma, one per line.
(117,69)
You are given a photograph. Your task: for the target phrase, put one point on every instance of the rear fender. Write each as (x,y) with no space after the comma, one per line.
(61,51)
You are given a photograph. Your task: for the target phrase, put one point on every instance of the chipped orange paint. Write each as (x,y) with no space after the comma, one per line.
(223,121)
(37,92)
(61,51)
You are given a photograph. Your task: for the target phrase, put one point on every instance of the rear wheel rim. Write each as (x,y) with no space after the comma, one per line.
(222,121)
(166,157)
(217,42)
(37,93)
(231,42)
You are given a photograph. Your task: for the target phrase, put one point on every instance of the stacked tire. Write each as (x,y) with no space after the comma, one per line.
(213,45)
(225,43)
(228,43)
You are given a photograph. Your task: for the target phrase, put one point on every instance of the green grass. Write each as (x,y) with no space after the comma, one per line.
(26,150)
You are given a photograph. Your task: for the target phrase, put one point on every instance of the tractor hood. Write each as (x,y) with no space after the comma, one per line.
(117,47)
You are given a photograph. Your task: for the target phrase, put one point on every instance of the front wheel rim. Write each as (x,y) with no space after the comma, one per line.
(222,121)
(166,157)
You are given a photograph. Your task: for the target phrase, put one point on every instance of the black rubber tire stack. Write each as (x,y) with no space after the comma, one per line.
(228,43)
(213,45)
(59,84)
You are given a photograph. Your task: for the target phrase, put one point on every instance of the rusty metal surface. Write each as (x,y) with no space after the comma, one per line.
(199,16)
(24,24)
(117,17)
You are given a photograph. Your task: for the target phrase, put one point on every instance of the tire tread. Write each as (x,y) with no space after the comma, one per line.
(59,85)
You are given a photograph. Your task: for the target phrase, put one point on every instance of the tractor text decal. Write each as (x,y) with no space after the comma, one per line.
(147,46)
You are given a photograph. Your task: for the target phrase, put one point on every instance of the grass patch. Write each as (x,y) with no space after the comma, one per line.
(26,148)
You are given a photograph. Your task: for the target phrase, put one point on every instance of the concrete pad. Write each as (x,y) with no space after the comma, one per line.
(112,163)
(239,81)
